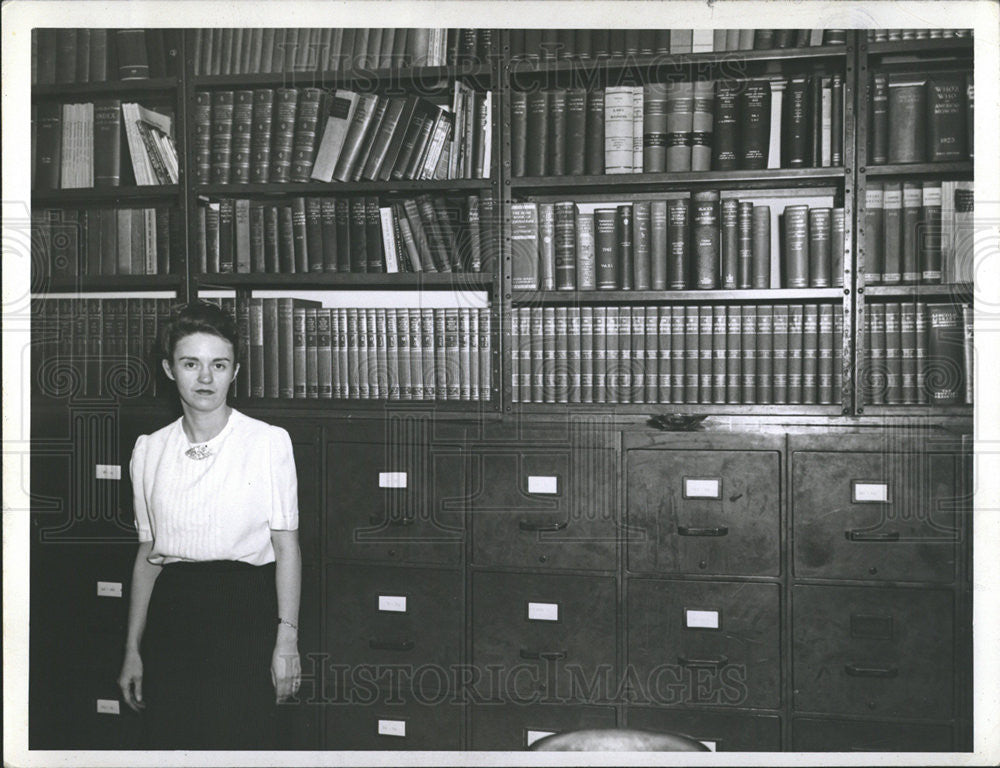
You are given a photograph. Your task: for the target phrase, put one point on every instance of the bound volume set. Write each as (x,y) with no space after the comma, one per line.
(704,125)
(355,234)
(738,354)
(314,134)
(700,242)
(68,55)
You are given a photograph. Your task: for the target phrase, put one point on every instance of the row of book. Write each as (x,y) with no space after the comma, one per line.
(71,242)
(679,126)
(256,51)
(918,353)
(920,118)
(356,234)
(563,44)
(68,55)
(737,354)
(919,232)
(78,146)
(701,242)
(315,134)
(893,35)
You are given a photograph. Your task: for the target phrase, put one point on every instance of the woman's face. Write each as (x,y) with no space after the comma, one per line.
(203,367)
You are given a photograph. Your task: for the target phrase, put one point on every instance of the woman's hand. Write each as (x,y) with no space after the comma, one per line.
(286,671)
(130,680)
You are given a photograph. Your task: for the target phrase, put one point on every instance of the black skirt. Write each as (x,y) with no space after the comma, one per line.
(210,634)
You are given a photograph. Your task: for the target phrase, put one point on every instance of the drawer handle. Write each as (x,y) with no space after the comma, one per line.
(720,661)
(858,535)
(398,521)
(856,670)
(536,655)
(527,525)
(388,645)
(685,530)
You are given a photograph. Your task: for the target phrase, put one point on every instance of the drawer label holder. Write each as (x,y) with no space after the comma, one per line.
(392,728)
(701,619)
(702,488)
(391,479)
(869,492)
(543,611)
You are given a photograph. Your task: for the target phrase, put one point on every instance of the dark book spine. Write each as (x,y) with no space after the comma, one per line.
(920,351)
(744,256)
(242,128)
(576,131)
(283,133)
(565,246)
(651,348)
(257,258)
(518,132)
(909,260)
(692,353)
(795,124)
(537,133)
(202,139)
(594,140)
(133,62)
(586,354)
(300,240)
(946,119)
(892,223)
(624,247)
(359,239)
(227,250)
(48,146)
(815,121)
(701,135)
(344,245)
(600,355)
(222,136)
(678,227)
(556,134)
(730,243)
(944,375)
(779,354)
(837,245)
(765,341)
(678,353)
(664,353)
(796,246)
(535,333)
(304,134)
(874,233)
(658,245)
(748,344)
(760,246)
(286,240)
(907,120)
(719,354)
(893,356)
(727,153)
(560,364)
(879,128)
(819,247)
(634,367)
(373,235)
(929,248)
(605,247)
(837,120)
(314,235)
(574,355)
(755,116)
(705,238)
(908,352)
(613,338)
(524,247)
(328,233)
(810,353)
(546,246)
(107,143)
(641,244)
(654,128)
(795,358)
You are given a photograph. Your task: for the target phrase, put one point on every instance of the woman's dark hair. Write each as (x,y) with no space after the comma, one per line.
(198,317)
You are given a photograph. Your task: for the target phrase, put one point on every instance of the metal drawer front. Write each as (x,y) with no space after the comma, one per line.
(704,512)
(391,723)
(875,516)
(719,731)
(545,636)
(514,728)
(873,651)
(544,507)
(814,735)
(381,616)
(705,643)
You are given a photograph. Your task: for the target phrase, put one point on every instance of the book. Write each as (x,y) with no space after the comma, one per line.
(594,137)
(705,237)
(893,358)
(945,369)
(820,234)
(907,119)
(755,114)
(726,154)
(760,246)
(878,142)
(654,129)
(875,330)
(605,248)
(624,247)
(765,361)
(795,133)
(703,105)
(564,246)
(537,133)
(304,134)
(748,347)
(546,246)
(241,138)
(796,353)
(524,247)
(641,223)
(892,225)
(618,130)
(797,246)
(283,133)
(680,125)
(946,131)
(928,245)
(810,353)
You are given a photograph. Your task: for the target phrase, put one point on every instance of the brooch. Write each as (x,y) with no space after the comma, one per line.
(198,452)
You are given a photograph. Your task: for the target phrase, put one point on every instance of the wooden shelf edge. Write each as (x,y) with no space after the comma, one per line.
(108,87)
(292,189)
(619,296)
(964,290)
(963,168)
(763,178)
(323,280)
(124,195)
(943,45)
(335,76)
(612,409)
(113,283)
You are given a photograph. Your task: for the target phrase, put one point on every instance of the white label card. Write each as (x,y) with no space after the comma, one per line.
(108,707)
(392,728)
(701,488)
(543,484)
(543,611)
(530,736)
(395,603)
(710,744)
(109,589)
(871,492)
(107,472)
(391,479)
(701,619)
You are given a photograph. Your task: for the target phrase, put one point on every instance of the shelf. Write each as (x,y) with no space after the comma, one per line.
(686,408)
(962,290)
(477,281)
(962,169)
(370,78)
(642,297)
(678,60)
(916,410)
(654,182)
(908,47)
(87,283)
(126,196)
(323,406)
(294,189)
(110,88)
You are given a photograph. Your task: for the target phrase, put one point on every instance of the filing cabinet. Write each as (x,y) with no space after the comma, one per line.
(813,734)
(875,651)
(516,727)
(704,511)
(705,643)
(545,635)
(719,731)
(876,516)
(543,507)
(392,722)
(406,618)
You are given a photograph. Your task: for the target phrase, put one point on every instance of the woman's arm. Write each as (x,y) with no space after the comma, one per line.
(285,666)
(144,575)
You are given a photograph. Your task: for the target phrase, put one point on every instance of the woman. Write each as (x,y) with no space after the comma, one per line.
(212,639)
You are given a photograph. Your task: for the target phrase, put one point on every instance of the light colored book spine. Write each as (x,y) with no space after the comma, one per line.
(827,126)
(618,126)
(637,112)
(774,146)
(388,240)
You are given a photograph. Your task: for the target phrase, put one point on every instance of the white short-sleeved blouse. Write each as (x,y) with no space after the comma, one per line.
(222,507)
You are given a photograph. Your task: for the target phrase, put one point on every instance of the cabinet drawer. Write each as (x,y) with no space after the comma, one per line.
(871,651)
(719,731)
(544,507)
(401,502)
(392,723)
(515,727)
(545,631)
(875,516)
(815,735)
(381,616)
(705,642)
(704,512)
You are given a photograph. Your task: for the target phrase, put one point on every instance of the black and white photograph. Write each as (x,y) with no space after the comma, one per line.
(599,379)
